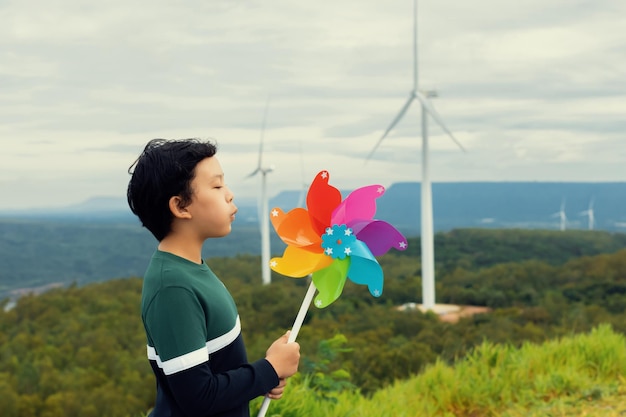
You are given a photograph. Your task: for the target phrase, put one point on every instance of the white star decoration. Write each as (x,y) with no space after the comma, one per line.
(348,232)
(347,251)
(324,174)
(380,190)
(274,213)
(329,251)
(318,303)
(329,231)
(273,263)
(377,293)
(402,245)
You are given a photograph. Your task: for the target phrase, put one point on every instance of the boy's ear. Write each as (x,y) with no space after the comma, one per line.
(178,210)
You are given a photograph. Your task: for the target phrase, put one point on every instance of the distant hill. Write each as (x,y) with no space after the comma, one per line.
(525,205)
(532,205)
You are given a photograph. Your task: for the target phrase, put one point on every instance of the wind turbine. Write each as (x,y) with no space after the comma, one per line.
(264,210)
(562,216)
(589,214)
(427,238)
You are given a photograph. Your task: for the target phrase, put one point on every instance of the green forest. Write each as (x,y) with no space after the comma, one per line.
(80,350)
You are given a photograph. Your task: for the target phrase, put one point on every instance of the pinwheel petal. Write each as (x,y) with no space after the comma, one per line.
(298,262)
(277,216)
(379,236)
(330,281)
(360,204)
(294,228)
(321,200)
(365,269)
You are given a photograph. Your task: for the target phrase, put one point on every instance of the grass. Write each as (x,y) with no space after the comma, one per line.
(581,375)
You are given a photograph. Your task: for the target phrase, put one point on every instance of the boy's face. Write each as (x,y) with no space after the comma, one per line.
(212,208)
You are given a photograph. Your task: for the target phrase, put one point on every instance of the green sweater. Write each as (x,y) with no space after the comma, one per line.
(195,346)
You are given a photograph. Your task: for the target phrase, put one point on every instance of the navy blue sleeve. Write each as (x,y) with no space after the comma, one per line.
(198,391)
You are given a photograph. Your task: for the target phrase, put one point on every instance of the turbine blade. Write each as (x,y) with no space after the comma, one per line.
(263,124)
(304,185)
(395,121)
(431,110)
(253,173)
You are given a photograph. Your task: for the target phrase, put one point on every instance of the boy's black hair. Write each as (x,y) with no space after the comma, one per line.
(164,169)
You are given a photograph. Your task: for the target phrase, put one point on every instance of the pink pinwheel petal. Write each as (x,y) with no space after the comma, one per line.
(321,200)
(365,269)
(294,228)
(360,204)
(379,236)
(298,262)
(330,281)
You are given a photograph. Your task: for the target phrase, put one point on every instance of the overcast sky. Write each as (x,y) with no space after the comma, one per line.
(534,90)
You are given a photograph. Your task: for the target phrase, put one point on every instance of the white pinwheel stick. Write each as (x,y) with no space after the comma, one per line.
(297,324)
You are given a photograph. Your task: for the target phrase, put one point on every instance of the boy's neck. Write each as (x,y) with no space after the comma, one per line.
(185,248)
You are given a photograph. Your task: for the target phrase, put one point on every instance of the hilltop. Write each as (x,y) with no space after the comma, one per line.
(552,343)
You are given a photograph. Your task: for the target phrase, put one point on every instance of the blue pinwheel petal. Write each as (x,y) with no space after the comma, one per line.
(365,269)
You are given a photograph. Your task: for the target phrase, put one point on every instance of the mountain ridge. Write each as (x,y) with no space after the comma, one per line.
(455,204)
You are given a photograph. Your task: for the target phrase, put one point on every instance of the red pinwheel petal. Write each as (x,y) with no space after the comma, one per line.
(379,236)
(360,204)
(321,200)
(294,228)
(365,269)
(298,262)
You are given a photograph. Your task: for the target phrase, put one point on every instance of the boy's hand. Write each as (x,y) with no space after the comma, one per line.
(277,392)
(284,356)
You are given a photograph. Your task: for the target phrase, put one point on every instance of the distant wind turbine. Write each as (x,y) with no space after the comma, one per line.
(427,238)
(264,210)
(562,216)
(589,213)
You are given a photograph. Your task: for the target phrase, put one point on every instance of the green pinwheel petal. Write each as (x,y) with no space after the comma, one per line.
(330,281)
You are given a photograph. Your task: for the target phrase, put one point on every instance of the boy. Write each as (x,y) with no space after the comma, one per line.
(195,346)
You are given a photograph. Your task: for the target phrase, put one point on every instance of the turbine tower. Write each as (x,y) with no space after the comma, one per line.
(562,216)
(589,213)
(427,238)
(263,212)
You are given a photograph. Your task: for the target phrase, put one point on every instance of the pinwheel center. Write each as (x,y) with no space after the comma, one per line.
(337,241)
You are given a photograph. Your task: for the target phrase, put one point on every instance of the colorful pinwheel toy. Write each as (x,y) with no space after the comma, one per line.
(331,241)
(334,239)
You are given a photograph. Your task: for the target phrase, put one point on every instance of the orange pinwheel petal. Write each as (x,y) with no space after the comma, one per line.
(294,228)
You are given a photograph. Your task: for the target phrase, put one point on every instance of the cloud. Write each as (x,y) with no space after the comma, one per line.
(533,90)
